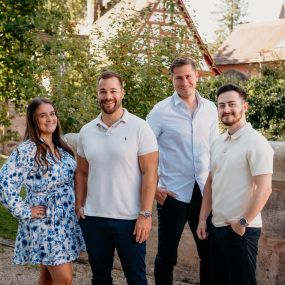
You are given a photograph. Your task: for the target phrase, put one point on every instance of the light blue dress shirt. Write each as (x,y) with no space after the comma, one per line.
(184,141)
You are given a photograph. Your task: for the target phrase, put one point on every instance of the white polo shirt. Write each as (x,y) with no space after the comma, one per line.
(114,179)
(235,159)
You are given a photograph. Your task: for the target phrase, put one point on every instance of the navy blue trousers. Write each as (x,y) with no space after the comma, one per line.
(234,256)
(104,235)
(172,217)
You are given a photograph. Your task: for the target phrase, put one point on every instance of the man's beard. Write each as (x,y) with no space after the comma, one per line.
(235,119)
(107,110)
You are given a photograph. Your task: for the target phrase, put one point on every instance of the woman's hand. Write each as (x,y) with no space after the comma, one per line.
(38,212)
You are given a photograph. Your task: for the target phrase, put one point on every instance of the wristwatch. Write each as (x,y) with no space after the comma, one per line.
(243,222)
(146,214)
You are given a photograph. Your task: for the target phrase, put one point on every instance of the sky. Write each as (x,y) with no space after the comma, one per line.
(258,11)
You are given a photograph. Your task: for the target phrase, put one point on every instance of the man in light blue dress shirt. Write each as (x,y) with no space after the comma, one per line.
(185,125)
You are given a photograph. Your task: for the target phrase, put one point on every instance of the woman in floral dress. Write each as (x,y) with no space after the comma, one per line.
(44,165)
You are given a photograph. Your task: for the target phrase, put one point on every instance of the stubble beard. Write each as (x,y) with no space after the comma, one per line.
(236,119)
(113,110)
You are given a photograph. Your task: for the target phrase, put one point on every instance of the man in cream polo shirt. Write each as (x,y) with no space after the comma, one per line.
(115,185)
(236,191)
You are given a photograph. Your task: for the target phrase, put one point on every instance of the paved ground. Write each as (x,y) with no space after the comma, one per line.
(11,274)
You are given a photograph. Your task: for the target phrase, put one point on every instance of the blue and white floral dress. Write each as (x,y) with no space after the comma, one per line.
(53,240)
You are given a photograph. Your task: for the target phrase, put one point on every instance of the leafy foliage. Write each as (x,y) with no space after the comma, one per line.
(266,97)
(142,57)
(267,101)
(73,87)
(38,44)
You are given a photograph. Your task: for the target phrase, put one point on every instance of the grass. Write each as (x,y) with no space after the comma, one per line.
(8,224)
(2,159)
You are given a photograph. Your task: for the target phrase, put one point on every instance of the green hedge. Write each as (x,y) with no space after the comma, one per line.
(266,96)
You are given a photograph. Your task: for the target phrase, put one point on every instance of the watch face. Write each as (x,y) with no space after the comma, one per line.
(243,221)
(146,214)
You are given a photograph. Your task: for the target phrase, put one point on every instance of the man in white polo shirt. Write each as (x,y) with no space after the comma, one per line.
(115,185)
(185,124)
(236,191)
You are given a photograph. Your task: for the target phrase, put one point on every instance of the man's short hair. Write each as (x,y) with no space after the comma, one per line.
(181,62)
(110,74)
(232,87)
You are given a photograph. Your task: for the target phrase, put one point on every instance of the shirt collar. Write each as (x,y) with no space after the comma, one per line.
(238,133)
(98,121)
(177,99)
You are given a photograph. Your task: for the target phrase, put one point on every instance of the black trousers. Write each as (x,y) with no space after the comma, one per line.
(172,217)
(234,256)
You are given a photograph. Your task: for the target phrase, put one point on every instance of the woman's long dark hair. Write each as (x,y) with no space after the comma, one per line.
(33,133)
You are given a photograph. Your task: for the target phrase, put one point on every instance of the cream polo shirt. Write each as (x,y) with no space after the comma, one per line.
(235,159)
(114,179)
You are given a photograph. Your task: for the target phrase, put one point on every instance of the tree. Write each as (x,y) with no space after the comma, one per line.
(37,42)
(230,13)
(17,69)
(143,58)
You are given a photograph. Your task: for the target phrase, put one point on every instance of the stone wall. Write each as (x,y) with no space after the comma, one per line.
(271,258)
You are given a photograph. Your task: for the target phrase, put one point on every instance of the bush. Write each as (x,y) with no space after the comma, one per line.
(266,97)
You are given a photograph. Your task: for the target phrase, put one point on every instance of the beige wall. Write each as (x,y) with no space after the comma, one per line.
(271,258)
